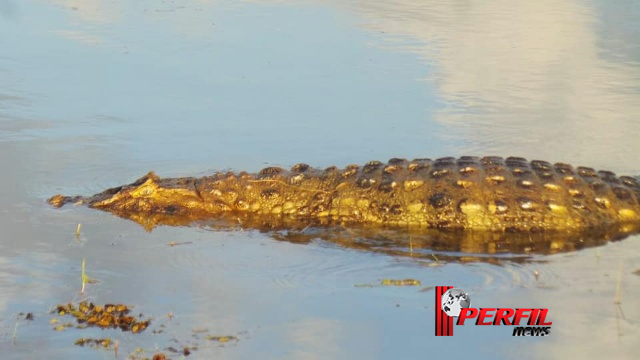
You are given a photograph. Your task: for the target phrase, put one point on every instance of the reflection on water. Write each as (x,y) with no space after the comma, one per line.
(453,246)
(94,92)
(414,242)
(517,76)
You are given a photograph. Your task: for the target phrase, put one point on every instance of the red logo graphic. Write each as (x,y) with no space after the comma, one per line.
(453,302)
(444,322)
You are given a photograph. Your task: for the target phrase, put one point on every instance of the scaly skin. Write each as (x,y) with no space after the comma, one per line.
(489,194)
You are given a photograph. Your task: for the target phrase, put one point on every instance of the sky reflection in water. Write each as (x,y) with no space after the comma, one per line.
(96,94)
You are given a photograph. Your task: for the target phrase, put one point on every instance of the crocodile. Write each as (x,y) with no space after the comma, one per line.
(470,194)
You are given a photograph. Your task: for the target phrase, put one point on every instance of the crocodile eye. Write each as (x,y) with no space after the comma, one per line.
(170,209)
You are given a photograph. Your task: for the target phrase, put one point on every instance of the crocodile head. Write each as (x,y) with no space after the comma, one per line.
(148,201)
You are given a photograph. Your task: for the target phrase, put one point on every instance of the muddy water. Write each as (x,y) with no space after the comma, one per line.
(95,94)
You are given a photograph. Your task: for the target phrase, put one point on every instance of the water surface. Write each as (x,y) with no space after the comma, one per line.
(96,94)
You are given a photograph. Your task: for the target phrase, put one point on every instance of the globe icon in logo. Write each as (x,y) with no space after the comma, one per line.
(455,300)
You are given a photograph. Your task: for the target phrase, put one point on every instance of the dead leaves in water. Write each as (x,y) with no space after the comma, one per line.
(62,326)
(222,339)
(405,282)
(107,316)
(186,351)
(95,343)
(114,316)
(393,282)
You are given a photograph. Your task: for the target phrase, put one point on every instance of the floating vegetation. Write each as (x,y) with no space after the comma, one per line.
(95,343)
(107,316)
(173,243)
(103,343)
(202,333)
(222,339)
(118,316)
(63,326)
(85,278)
(15,333)
(405,282)
(392,282)
(186,351)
